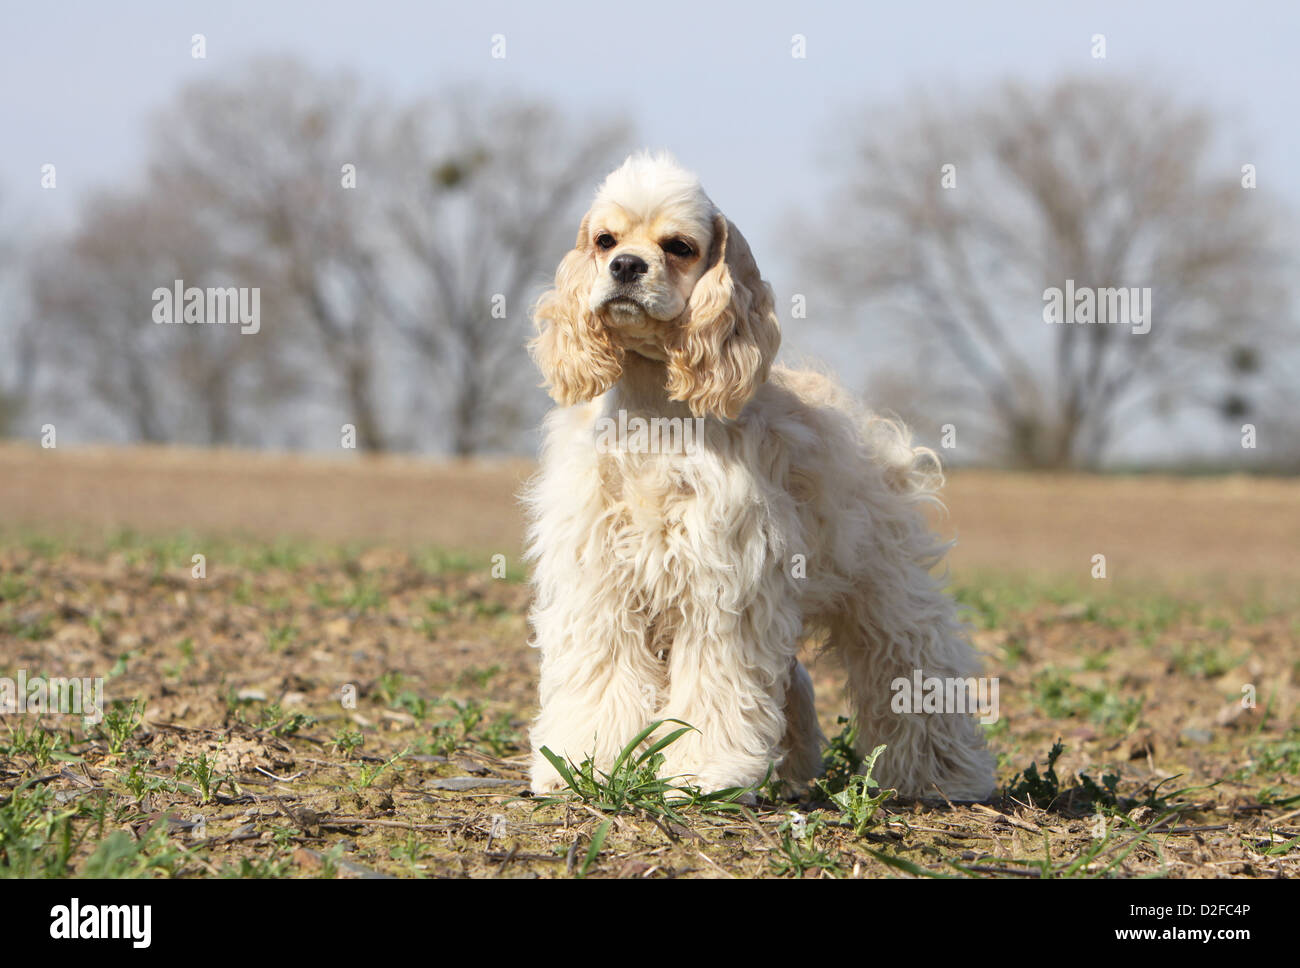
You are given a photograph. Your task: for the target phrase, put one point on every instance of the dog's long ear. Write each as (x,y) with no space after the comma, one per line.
(572,348)
(730,334)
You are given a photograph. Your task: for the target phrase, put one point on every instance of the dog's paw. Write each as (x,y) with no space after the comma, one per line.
(543,779)
(747,799)
(712,782)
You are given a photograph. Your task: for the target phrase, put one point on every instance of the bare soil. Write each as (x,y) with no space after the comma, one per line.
(347,690)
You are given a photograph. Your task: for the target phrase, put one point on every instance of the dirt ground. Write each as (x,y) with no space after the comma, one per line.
(346,690)
(1235,531)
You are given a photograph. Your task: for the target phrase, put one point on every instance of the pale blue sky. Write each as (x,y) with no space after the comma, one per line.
(713,82)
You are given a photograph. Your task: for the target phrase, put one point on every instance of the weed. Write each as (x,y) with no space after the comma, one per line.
(202,771)
(120,723)
(840,760)
(119,855)
(798,852)
(476,677)
(42,745)
(369,773)
(1204,661)
(856,800)
(277,722)
(36,832)
(593,851)
(1039,791)
(633,782)
(347,741)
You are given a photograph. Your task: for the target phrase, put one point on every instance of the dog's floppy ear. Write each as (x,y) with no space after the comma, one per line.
(730,333)
(572,348)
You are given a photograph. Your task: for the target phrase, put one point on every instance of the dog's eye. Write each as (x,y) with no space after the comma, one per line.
(678,247)
(605,240)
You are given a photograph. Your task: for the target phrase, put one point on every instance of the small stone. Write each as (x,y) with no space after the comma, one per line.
(307,859)
(1141,815)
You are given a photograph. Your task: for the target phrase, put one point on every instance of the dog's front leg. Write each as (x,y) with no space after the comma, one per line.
(728,676)
(596,688)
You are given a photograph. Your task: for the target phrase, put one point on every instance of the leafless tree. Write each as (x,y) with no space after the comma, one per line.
(110,362)
(1105,184)
(369,228)
(476,191)
(263,155)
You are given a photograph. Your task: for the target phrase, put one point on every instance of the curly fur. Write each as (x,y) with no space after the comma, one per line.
(664,581)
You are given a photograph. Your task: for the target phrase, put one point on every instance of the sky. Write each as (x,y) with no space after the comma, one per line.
(716,83)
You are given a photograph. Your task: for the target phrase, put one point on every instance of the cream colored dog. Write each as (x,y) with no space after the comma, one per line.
(676,574)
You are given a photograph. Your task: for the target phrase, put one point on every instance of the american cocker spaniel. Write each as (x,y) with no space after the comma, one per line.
(699,513)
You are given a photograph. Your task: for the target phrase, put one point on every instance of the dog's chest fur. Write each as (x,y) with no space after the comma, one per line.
(651,502)
(681,529)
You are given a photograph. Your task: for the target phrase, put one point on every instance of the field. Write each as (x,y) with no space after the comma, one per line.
(346,689)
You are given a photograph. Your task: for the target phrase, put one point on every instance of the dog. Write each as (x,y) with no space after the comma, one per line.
(676,576)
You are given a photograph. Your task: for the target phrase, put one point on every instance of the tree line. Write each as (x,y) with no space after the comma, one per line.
(396,247)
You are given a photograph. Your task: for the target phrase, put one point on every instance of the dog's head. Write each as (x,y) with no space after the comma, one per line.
(657,270)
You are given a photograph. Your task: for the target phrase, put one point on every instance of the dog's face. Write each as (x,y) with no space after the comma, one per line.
(648,260)
(657,270)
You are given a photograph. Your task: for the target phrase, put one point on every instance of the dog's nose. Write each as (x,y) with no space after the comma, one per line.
(625,268)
